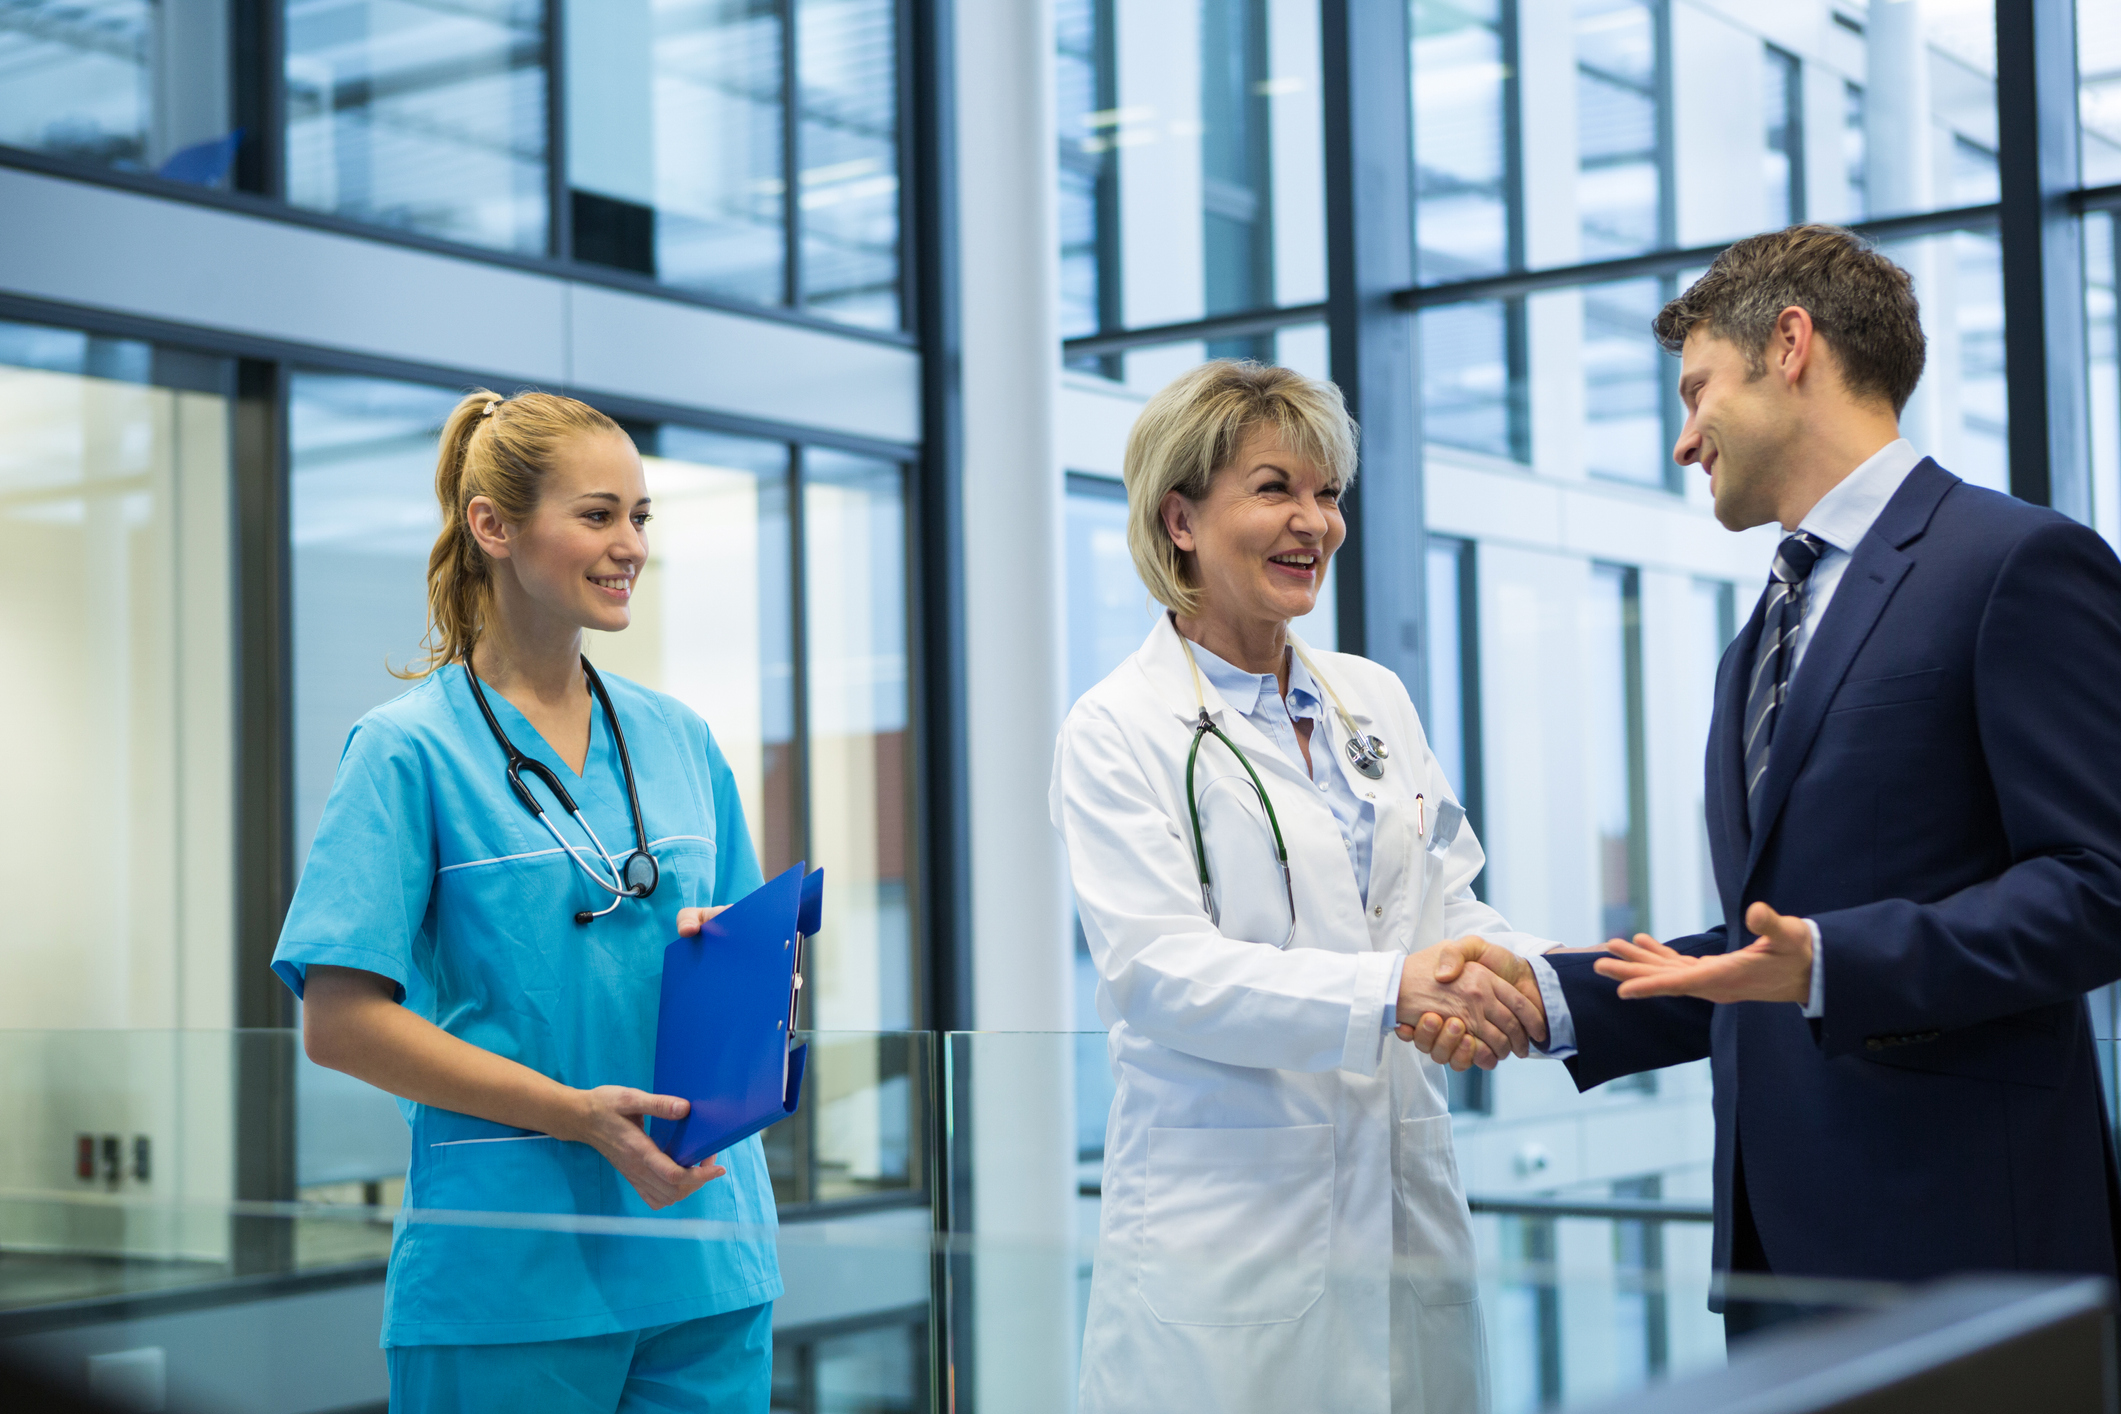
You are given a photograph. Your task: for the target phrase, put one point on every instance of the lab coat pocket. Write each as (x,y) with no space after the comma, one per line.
(1437,1255)
(1238,1224)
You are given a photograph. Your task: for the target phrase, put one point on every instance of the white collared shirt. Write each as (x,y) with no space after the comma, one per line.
(1842,518)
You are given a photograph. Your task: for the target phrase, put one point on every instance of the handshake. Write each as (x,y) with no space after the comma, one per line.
(1475,1003)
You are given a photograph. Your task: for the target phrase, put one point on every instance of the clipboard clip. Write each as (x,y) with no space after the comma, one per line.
(809,916)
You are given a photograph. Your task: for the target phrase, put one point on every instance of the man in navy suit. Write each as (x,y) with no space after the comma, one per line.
(1914,807)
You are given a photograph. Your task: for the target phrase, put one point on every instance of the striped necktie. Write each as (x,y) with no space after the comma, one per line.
(1781,615)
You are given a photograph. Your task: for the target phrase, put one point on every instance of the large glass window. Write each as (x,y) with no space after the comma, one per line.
(428,117)
(115,623)
(848,198)
(1466,223)
(1086,76)
(1855,149)
(1929,76)
(1626,379)
(1465,139)
(127,84)
(1782,112)
(1453,719)
(2099,91)
(1619,124)
(362,518)
(1613,634)
(712,618)
(854,590)
(1192,143)
(2102,318)
(676,143)
(681,134)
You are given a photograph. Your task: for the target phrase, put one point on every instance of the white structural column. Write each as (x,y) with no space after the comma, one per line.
(1022,1148)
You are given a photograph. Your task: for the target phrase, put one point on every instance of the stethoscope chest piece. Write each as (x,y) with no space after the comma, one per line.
(1367,755)
(641,873)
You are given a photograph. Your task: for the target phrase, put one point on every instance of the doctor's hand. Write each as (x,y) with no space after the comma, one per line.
(1775,967)
(609,1120)
(690,919)
(1445,1039)
(1479,1017)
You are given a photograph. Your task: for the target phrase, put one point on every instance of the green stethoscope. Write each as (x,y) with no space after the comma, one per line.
(1365,753)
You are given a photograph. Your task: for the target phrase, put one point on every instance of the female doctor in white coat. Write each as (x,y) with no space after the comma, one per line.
(1283,1226)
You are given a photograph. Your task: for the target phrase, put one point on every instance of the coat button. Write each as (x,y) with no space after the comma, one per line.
(1378,911)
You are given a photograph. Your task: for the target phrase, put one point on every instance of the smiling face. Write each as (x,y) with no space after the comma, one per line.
(1739,428)
(575,560)
(1258,543)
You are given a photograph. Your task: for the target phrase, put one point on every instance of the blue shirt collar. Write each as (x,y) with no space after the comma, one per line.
(1244,691)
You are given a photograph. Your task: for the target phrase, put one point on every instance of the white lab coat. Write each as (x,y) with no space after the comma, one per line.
(1271,1149)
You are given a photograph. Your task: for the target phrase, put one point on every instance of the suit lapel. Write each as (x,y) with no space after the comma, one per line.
(1874,571)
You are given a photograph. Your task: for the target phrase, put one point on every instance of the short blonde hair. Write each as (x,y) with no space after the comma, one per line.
(1197,426)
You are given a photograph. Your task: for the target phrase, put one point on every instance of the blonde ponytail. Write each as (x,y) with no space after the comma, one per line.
(499,448)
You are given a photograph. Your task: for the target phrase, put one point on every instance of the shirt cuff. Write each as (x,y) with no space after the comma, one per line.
(1392,992)
(1561,1026)
(1816,1007)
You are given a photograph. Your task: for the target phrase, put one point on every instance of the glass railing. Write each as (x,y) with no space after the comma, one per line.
(938,1238)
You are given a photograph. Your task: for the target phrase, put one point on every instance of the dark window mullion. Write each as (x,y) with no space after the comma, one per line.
(798,661)
(1512,142)
(1111,270)
(262,1055)
(258,72)
(799,767)
(559,201)
(791,154)
(1667,178)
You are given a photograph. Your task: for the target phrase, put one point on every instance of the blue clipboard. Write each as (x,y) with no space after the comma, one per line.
(725,1031)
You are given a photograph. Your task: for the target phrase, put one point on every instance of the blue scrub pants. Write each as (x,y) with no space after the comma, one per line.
(714,1365)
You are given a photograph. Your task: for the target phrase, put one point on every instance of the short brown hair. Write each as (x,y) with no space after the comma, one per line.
(1863,304)
(1197,426)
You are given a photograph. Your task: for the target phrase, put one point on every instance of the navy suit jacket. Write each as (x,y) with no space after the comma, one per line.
(1943,798)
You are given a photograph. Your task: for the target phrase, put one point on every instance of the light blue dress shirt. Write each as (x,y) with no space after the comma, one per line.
(1257,697)
(1842,518)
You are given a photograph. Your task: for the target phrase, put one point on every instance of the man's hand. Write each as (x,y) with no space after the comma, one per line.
(1477,1016)
(1510,979)
(1775,967)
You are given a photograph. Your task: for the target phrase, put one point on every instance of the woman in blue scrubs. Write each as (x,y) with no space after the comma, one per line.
(435,947)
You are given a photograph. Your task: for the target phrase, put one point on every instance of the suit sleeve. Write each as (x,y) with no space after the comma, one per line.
(1615,1037)
(2047,928)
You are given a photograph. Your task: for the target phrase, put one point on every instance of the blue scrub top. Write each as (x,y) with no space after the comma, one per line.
(427,870)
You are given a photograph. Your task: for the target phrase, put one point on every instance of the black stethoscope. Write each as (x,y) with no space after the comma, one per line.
(638,876)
